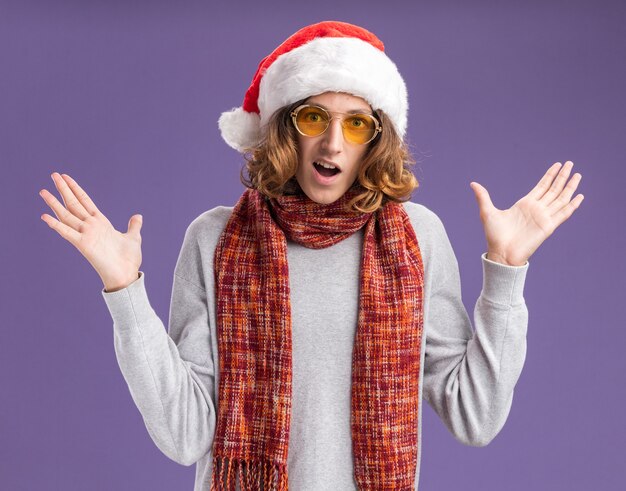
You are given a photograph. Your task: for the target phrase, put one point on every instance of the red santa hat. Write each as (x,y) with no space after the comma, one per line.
(328,56)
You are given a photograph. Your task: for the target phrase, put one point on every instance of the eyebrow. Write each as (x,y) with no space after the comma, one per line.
(352,111)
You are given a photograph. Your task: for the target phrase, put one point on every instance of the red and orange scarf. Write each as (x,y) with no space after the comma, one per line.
(254,340)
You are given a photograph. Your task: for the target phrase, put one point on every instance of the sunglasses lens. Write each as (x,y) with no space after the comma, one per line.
(312,121)
(359,128)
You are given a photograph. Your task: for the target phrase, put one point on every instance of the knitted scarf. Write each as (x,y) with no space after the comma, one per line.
(254,340)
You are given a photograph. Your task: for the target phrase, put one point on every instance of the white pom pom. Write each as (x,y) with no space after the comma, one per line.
(240,129)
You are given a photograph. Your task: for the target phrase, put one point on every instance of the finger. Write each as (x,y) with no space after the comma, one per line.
(544,183)
(62,214)
(134,225)
(82,196)
(558,184)
(64,231)
(483,199)
(566,212)
(70,200)
(566,195)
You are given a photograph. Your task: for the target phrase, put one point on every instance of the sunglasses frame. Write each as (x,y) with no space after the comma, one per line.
(294,115)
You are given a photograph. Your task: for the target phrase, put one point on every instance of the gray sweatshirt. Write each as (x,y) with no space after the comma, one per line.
(173,376)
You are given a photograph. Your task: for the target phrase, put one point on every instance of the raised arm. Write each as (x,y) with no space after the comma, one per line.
(170,376)
(469,375)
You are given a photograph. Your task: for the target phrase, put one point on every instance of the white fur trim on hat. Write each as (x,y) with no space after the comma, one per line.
(338,65)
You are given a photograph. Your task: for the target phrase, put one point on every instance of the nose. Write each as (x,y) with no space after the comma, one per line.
(333,137)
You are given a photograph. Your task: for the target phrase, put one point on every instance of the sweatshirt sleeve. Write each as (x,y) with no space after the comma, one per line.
(170,375)
(469,375)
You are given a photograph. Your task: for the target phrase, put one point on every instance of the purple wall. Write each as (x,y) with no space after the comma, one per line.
(124,96)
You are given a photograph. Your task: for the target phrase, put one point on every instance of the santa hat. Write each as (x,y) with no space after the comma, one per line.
(328,56)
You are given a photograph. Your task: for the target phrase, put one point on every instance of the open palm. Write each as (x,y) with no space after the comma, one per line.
(114,255)
(513,235)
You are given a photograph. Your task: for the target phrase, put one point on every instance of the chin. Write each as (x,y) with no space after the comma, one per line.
(323,197)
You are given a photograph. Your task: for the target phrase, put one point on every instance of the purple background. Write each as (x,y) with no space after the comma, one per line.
(124,97)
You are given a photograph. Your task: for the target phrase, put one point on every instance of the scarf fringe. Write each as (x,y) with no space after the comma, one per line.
(252,475)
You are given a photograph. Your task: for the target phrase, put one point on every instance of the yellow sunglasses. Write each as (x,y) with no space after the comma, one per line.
(310,120)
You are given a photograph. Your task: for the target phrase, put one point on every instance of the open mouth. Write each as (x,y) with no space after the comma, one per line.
(325,171)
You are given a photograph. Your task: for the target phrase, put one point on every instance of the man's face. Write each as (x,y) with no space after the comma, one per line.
(330,147)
